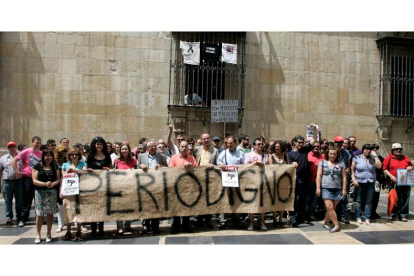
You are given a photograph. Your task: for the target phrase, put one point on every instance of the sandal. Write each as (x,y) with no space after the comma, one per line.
(37,240)
(326,226)
(68,236)
(333,230)
(78,236)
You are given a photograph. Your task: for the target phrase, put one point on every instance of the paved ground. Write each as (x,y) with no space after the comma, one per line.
(379,232)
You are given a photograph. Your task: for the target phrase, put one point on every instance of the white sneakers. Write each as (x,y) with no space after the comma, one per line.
(262,227)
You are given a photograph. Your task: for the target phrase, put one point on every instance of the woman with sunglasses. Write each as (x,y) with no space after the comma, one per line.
(397,160)
(98,159)
(363,175)
(125,161)
(73,165)
(46,179)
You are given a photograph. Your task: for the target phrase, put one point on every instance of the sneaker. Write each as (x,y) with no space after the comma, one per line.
(359,221)
(250,228)
(48,238)
(222,225)
(9,221)
(312,218)
(59,229)
(367,222)
(21,223)
(295,224)
(263,227)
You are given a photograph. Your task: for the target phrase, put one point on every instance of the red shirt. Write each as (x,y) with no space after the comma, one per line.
(391,164)
(121,165)
(179,161)
(313,162)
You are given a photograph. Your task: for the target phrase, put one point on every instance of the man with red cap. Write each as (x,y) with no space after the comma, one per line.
(12,184)
(345,157)
(396,160)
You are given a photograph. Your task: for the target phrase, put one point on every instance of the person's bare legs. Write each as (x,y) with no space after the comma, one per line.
(330,212)
(49,223)
(39,223)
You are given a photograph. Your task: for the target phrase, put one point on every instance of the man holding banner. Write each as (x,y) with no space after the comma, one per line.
(232,156)
(257,157)
(186,160)
(205,155)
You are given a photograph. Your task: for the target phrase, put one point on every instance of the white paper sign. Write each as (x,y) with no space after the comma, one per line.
(310,133)
(70,184)
(405,178)
(230,176)
(224,111)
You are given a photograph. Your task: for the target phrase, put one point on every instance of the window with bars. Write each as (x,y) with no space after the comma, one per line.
(211,79)
(397,77)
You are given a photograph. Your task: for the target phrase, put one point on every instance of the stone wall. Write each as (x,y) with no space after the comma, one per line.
(115,85)
(80,85)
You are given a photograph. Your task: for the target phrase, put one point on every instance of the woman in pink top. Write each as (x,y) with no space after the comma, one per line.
(124,162)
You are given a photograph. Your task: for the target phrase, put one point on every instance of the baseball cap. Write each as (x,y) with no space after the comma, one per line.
(339,139)
(11,144)
(215,138)
(396,146)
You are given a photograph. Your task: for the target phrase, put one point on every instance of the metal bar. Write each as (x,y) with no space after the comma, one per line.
(169,84)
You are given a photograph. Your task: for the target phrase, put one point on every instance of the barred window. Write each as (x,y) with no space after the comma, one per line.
(211,79)
(397,76)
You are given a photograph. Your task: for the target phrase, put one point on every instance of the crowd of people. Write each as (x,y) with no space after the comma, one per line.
(335,180)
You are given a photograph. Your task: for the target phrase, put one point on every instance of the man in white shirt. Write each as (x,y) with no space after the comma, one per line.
(193,99)
(230,157)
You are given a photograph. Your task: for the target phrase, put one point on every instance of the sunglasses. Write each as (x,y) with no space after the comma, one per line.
(180,140)
(259,144)
(399,149)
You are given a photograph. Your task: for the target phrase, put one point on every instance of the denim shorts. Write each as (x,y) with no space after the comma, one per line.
(332,194)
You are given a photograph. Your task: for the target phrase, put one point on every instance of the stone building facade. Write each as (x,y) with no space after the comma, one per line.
(117,85)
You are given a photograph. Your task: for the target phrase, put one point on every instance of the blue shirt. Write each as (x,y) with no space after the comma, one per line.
(152,161)
(79,167)
(364,169)
(230,158)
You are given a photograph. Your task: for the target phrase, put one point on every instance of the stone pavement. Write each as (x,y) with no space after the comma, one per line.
(379,232)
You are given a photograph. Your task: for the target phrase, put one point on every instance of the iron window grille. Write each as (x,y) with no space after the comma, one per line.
(396,77)
(210,80)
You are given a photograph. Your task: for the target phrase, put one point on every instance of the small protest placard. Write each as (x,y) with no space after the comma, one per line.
(230,176)
(70,184)
(405,178)
(224,111)
(310,133)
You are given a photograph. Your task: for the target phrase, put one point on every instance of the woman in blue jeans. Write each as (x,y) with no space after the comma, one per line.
(363,175)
